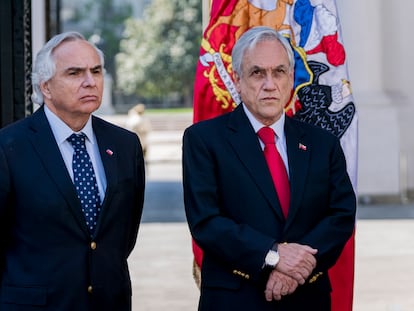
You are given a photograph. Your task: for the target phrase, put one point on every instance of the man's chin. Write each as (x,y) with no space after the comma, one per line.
(90,106)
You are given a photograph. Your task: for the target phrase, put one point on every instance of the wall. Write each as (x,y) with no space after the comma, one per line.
(373,30)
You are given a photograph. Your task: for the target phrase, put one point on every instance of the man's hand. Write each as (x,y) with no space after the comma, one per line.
(279,285)
(296,261)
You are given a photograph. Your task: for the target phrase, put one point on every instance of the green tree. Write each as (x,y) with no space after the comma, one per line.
(159,52)
(102,22)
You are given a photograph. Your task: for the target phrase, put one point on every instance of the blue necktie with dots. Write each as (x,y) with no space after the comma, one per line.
(85,181)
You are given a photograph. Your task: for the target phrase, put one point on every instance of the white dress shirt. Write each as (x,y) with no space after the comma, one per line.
(61,132)
(278,128)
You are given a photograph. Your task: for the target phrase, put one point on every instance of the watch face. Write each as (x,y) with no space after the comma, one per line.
(272,258)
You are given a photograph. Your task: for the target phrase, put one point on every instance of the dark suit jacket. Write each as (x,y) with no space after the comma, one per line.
(234,214)
(47,257)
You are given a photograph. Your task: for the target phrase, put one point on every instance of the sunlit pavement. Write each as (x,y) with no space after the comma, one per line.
(162,261)
(384,265)
(161,264)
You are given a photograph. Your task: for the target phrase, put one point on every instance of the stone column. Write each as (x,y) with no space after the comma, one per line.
(398,46)
(379,145)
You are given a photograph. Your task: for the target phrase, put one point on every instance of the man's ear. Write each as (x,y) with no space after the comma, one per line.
(236,80)
(292,79)
(44,87)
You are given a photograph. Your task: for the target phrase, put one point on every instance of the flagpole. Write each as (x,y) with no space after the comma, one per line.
(206,4)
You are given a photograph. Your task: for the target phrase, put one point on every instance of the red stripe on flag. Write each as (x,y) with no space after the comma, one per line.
(341,276)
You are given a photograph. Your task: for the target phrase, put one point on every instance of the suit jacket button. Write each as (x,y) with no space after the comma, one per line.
(93,245)
(90,289)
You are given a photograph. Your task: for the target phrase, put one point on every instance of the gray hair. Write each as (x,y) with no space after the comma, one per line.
(44,67)
(249,40)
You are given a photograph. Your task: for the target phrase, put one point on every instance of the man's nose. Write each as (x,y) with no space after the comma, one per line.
(89,79)
(269,82)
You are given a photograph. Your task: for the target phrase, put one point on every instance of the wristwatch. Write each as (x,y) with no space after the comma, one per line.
(272,257)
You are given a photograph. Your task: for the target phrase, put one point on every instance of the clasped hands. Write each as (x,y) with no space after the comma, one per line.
(295,265)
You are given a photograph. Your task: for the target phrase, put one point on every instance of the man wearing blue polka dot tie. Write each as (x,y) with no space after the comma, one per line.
(85,180)
(71,191)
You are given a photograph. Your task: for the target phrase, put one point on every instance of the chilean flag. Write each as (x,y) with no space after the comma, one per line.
(322,94)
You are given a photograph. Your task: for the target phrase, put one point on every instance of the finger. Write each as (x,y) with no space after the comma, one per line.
(289,286)
(277,289)
(284,291)
(277,297)
(269,287)
(310,261)
(305,272)
(292,285)
(298,277)
(309,249)
(268,294)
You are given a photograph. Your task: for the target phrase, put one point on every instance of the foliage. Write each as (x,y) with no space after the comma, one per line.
(159,52)
(103,22)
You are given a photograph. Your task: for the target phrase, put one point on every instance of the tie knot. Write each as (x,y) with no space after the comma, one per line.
(77,141)
(267,135)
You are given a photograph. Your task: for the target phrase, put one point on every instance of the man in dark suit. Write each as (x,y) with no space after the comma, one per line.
(58,252)
(255,257)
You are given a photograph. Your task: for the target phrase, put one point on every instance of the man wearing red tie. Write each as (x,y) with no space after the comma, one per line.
(267,197)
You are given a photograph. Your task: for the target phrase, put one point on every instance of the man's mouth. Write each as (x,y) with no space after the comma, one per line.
(89,98)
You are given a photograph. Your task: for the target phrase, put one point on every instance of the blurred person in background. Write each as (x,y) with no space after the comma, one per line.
(138,123)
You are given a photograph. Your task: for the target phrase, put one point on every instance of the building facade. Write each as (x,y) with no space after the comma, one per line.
(378,41)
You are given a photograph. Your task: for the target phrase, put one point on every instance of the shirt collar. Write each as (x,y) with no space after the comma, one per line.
(61,131)
(278,126)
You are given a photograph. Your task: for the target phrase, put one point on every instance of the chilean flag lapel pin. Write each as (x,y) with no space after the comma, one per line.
(109,151)
(302,147)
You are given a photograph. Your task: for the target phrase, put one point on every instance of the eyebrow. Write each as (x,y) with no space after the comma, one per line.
(83,68)
(256,67)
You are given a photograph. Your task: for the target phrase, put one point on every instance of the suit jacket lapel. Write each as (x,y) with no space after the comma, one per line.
(298,149)
(44,144)
(245,143)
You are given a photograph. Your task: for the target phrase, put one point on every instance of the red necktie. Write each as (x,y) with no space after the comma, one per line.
(277,167)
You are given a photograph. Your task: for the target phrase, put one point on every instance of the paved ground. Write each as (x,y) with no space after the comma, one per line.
(162,277)
(161,264)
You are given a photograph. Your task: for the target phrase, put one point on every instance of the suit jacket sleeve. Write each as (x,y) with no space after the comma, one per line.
(4,186)
(331,198)
(211,214)
(139,192)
